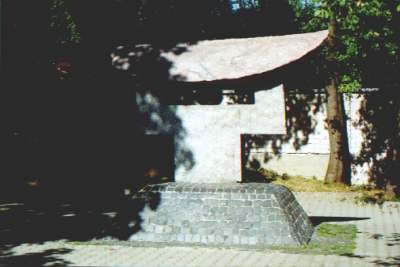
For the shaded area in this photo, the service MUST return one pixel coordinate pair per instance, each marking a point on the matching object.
(390, 261)
(149, 76)
(173, 21)
(394, 240)
(158, 120)
(45, 258)
(36, 223)
(317, 220)
(72, 147)
(379, 122)
(73, 153)
(302, 102)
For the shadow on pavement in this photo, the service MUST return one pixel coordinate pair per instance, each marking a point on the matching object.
(394, 240)
(44, 258)
(391, 261)
(316, 220)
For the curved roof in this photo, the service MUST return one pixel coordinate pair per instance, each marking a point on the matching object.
(227, 59)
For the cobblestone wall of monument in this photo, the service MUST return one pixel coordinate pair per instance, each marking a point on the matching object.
(228, 214)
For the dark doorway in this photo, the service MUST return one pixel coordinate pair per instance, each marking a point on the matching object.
(157, 158)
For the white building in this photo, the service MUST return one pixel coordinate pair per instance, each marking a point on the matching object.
(310, 159)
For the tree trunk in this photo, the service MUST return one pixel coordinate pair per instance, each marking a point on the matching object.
(339, 160)
(391, 185)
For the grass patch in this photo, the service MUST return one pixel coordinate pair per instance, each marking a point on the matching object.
(329, 239)
(302, 184)
(348, 231)
(366, 193)
(374, 196)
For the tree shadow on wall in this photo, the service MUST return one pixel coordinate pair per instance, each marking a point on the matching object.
(148, 22)
(379, 122)
(303, 104)
(148, 72)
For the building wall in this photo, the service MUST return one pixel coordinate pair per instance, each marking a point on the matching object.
(213, 134)
(311, 159)
(207, 138)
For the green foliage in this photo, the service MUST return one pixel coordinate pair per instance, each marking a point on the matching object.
(364, 29)
(269, 175)
(349, 83)
(367, 198)
(374, 197)
(63, 24)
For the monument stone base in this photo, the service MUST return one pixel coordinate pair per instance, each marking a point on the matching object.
(231, 214)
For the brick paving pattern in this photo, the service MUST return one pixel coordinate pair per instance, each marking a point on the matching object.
(378, 243)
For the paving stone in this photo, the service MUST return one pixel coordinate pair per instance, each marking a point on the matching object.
(214, 209)
(384, 251)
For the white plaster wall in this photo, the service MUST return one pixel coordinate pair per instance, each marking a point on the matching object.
(213, 134)
(311, 160)
(352, 107)
(306, 165)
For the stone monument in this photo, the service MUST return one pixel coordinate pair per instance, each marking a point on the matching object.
(205, 203)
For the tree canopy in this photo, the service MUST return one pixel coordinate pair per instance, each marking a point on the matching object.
(367, 37)
(362, 51)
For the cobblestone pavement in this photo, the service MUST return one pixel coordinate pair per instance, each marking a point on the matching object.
(378, 243)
